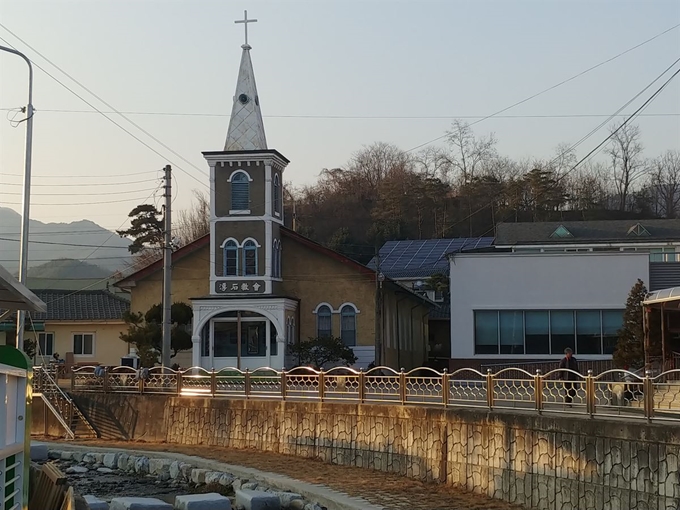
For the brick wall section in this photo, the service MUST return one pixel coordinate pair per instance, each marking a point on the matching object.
(542, 462)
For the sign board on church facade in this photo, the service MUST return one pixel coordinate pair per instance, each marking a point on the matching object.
(239, 287)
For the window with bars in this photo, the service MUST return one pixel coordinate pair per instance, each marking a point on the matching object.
(249, 258)
(240, 192)
(348, 325)
(324, 322)
(230, 258)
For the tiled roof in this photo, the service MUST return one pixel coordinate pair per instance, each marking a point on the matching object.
(443, 309)
(84, 305)
(586, 232)
(423, 257)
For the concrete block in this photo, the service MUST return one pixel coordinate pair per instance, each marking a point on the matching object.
(257, 500)
(250, 486)
(185, 470)
(209, 501)
(139, 504)
(77, 456)
(89, 458)
(39, 451)
(54, 454)
(198, 475)
(104, 470)
(95, 503)
(99, 457)
(226, 479)
(66, 455)
(110, 460)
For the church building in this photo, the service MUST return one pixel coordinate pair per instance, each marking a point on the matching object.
(256, 286)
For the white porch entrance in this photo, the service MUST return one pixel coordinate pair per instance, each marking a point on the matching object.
(238, 333)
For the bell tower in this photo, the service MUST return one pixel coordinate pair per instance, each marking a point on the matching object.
(246, 197)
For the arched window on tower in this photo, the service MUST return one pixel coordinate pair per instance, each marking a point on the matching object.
(240, 191)
(277, 195)
(324, 324)
(230, 258)
(348, 325)
(249, 258)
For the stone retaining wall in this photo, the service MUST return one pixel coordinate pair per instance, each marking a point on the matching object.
(541, 462)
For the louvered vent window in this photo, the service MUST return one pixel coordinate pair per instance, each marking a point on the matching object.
(240, 192)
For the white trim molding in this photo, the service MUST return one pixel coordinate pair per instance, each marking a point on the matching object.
(239, 211)
(339, 310)
(239, 171)
(323, 303)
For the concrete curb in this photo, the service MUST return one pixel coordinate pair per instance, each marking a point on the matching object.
(332, 499)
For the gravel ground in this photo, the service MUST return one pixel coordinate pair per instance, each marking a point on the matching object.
(390, 491)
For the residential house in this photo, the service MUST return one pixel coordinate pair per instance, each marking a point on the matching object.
(85, 325)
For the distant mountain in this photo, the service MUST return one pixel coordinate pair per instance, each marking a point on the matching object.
(54, 241)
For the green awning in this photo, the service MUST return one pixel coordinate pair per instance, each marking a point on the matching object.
(12, 326)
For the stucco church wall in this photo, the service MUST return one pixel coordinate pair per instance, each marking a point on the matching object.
(190, 279)
(317, 278)
(541, 462)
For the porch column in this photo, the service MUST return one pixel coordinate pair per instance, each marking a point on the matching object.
(196, 350)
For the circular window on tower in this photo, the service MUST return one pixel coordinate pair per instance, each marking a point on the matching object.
(243, 99)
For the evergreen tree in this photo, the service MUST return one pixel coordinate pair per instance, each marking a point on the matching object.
(630, 348)
(146, 228)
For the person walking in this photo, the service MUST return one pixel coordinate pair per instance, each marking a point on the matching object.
(569, 363)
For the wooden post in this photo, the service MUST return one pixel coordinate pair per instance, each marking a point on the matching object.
(645, 328)
(402, 386)
(238, 340)
(362, 386)
(179, 382)
(538, 390)
(213, 382)
(322, 385)
(284, 384)
(445, 388)
(489, 388)
(247, 383)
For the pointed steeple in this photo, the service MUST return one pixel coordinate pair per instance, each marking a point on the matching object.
(246, 129)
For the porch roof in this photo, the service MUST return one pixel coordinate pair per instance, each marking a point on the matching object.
(15, 296)
(669, 298)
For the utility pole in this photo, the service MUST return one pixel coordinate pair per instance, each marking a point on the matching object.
(167, 268)
(379, 309)
(26, 199)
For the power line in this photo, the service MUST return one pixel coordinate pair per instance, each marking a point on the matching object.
(356, 117)
(68, 244)
(116, 176)
(553, 87)
(81, 203)
(75, 195)
(72, 185)
(99, 111)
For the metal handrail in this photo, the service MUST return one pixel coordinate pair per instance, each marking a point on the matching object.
(614, 392)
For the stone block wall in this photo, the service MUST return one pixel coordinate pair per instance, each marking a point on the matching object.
(542, 462)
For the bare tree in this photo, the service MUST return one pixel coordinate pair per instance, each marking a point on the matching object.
(665, 181)
(625, 154)
(469, 154)
(194, 222)
(376, 161)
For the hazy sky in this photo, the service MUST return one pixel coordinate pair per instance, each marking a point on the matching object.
(413, 59)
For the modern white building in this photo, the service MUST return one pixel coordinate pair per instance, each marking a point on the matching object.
(543, 287)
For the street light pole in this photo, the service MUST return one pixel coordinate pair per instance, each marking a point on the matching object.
(26, 199)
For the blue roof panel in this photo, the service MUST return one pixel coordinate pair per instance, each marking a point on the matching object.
(423, 256)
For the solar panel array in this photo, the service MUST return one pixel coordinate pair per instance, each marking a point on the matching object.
(423, 257)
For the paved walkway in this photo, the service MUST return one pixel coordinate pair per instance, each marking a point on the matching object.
(392, 492)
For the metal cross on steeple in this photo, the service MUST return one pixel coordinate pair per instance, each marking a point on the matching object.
(245, 22)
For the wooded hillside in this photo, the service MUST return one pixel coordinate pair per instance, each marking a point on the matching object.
(467, 188)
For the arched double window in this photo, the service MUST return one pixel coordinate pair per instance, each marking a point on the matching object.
(240, 191)
(348, 325)
(230, 258)
(240, 259)
(277, 194)
(249, 258)
(324, 322)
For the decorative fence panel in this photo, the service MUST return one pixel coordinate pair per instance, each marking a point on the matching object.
(613, 393)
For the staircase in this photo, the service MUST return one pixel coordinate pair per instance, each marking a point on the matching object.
(62, 406)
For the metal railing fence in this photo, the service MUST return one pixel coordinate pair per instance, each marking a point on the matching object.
(613, 393)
